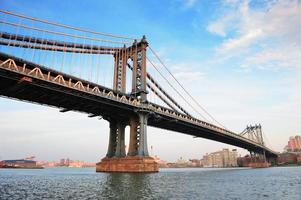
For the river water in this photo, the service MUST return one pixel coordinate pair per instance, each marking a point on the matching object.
(67, 183)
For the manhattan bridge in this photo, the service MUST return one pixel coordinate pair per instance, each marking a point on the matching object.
(115, 78)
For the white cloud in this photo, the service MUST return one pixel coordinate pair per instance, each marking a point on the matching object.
(275, 58)
(217, 28)
(188, 75)
(190, 3)
(257, 33)
(220, 27)
(240, 42)
(265, 41)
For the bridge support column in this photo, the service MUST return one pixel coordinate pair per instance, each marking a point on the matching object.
(134, 134)
(112, 140)
(142, 149)
(120, 146)
(137, 159)
(138, 136)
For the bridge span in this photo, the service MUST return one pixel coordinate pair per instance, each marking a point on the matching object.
(33, 82)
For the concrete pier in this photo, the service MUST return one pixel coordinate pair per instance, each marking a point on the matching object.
(260, 165)
(128, 164)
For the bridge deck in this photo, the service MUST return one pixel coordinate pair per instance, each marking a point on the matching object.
(30, 82)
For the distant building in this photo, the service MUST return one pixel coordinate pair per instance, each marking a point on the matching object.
(62, 162)
(287, 158)
(294, 144)
(182, 160)
(223, 158)
(67, 162)
(22, 163)
(194, 162)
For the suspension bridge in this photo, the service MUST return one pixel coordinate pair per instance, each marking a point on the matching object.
(112, 77)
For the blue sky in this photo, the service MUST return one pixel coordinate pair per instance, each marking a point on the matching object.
(239, 58)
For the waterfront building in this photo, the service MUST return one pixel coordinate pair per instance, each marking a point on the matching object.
(223, 158)
(21, 163)
(287, 158)
(65, 163)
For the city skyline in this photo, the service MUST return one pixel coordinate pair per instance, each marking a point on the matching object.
(258, 82)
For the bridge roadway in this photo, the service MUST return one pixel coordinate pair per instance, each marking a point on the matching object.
(27, 81)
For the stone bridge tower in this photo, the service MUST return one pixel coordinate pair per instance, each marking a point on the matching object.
(137, 158)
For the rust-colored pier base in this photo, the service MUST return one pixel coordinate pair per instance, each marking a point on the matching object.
(127, 164)
(260, 165)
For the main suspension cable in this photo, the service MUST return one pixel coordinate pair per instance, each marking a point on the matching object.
(66, 26)
(193, 99)
(61, 33)
(175, 88)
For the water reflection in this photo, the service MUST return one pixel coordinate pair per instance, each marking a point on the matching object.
(127, 186)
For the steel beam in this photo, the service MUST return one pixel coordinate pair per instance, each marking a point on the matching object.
(143, 149)
(120, 146)
(112, 139)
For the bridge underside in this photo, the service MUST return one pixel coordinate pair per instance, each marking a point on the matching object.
(17, 86)
(201, 132)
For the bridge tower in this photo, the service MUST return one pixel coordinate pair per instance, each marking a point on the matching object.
(137, 158)
(258, 157)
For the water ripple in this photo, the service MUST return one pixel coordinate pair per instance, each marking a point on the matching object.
(210, 184)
